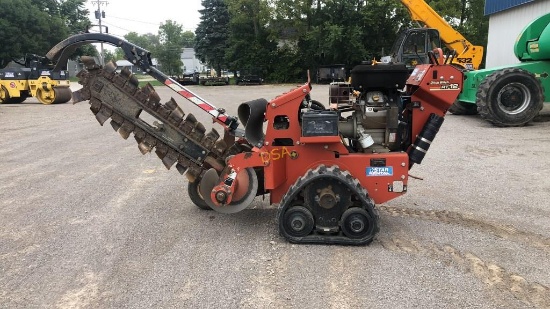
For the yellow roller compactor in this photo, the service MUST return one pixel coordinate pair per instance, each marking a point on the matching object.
(34, 78)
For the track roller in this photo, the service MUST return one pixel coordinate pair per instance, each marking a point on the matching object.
(356, 223)
(298, 221)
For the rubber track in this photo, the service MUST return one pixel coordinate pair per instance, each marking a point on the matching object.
(176, 140)
(357, 191)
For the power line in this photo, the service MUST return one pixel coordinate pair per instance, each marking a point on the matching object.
(145, 22)
(99, 14)
(111, 25)
(137, 21)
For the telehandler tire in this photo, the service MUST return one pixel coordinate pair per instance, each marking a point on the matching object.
(194, 194)
(463, 108)
(316, 105)
(510, 97)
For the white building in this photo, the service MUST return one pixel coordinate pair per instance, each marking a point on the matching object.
(507, 18)
(190, 62)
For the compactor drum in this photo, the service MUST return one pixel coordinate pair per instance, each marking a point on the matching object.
(34, 78)
(324, 167)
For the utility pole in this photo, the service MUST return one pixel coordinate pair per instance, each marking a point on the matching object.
(99, 15)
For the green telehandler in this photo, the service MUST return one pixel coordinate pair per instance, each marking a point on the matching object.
(512, 95)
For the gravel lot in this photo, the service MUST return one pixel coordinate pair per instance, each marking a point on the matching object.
(86, 221)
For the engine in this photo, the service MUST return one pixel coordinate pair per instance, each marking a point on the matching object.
(369, 107)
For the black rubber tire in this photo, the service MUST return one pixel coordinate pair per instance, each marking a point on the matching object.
(17, 100)
(316, 105)
(497, 97)
(196, 198)
(6, 94)
(463, 108)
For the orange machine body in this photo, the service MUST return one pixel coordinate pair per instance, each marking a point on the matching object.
(287, 155)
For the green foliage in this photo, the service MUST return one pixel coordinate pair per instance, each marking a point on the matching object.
(33, 26)
(284, 38)
(169, 50)
(338, 31)
(119, 54)
(211, 40)
(75, 15)
(108, 56)
(476, 24)
(88, 50)
(284, 64)
(249, 44)
(28, 27)
(188, 39)
(148, 41)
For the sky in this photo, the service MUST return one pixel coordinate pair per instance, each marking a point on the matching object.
(123, 16)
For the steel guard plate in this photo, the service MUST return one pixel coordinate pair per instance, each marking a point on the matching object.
(379, 180)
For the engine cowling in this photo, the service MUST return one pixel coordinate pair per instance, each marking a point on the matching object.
(370, 106)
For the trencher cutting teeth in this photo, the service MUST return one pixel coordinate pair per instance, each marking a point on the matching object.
(176, 138)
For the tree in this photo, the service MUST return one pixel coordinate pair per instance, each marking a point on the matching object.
(169, 51)
(249, 45)
(188, 39)
(86, 50)
(212, 33)
(475, 27)
(28, 27)
(34, 26)
(75, 15)
(336, 31)
(147, 41)
(119, 54)
(287, 37)
(109, 56)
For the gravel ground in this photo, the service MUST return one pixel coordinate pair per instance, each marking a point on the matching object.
(86, 221)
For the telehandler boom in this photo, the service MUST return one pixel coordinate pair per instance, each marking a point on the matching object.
(412, 45)
(468, 56)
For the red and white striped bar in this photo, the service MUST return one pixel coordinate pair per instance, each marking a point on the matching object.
(198, 101)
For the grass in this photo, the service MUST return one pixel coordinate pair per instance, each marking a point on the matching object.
(144, 79)
(141, 82)
(152, 82)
